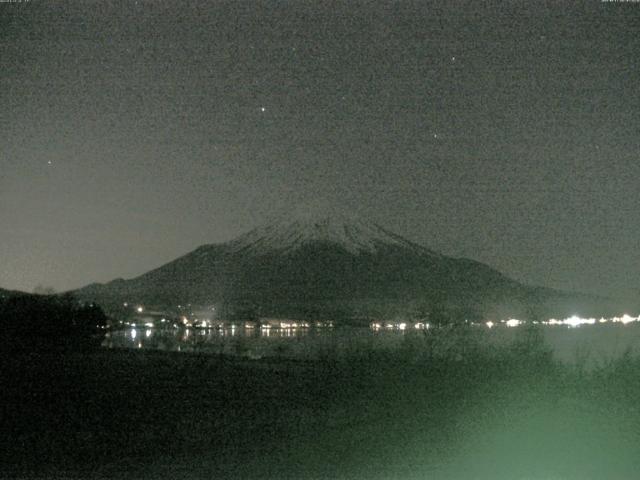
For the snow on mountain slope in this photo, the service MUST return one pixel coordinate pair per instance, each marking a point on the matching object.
(351, 233)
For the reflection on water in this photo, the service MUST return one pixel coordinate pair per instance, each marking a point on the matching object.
(250, 342)
(597, 341)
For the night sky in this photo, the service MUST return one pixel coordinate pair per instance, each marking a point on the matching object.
(133, 132)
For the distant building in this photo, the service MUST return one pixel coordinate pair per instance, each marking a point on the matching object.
(153, 319)
(268, 322)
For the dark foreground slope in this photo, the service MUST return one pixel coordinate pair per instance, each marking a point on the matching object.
(334, 268)
(499, 414)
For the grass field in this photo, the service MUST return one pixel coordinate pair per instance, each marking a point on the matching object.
(444, 407)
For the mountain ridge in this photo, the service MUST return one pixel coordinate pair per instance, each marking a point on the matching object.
(352, 233)
(344, 266)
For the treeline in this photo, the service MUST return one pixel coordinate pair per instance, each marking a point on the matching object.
(37, 322)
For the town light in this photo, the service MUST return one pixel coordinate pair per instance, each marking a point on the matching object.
(512, 322)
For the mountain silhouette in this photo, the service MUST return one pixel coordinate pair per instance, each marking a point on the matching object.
(337, 266)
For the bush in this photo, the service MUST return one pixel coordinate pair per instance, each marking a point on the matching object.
(39, 322)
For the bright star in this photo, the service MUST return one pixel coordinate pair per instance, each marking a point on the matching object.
(263, 109)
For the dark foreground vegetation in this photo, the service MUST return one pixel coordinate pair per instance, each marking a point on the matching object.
(31, 323)
(442, 407)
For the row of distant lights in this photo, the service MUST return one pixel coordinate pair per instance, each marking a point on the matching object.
(232, 326)
(573, 321)
(209, 324)
(399, 326)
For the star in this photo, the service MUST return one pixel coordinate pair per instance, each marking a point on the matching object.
(263, 109)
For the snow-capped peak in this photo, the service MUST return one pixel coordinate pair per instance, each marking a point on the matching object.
(348, 231)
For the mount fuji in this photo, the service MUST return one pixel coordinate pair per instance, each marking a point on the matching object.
(335, 266)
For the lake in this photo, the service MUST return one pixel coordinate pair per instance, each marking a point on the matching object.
(591, 344)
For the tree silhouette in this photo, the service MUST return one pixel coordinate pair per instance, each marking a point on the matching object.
(41, 322)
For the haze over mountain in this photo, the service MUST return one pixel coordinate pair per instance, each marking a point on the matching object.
(318, 266)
